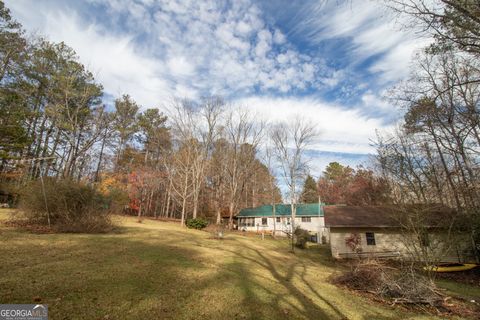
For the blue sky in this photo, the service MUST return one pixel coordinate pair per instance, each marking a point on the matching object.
(329, 61)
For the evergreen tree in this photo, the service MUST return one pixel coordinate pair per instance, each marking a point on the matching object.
(153, 133)
(13, 49)
(125, 123)
(310, 191)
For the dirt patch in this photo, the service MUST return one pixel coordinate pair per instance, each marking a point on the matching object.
(25, 225)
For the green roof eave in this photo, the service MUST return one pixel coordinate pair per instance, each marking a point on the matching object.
(303, 210)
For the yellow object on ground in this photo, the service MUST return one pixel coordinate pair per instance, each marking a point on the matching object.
(451, 267)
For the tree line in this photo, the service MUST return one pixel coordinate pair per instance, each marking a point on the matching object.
(199, 157)
(343, 185)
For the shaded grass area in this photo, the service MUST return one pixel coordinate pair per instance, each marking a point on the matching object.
(461, 290)
(157, 270)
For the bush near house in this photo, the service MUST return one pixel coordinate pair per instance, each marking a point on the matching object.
(301, 237)
(69, 205)
(197, 223)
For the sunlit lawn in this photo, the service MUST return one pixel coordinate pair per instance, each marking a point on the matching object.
(157, 270)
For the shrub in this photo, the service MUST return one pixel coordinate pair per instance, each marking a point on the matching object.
(324, 240)
(114, 189)
(8, 194)
(117, 200)
(72, 206)
(354, 242)
(301, 237)
(197, 223)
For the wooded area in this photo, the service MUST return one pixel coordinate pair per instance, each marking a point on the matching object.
(201, 156)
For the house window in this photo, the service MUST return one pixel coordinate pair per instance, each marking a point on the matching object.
(278, 219)
(264, 221)
(306, 219)
(247, 222)
(370, 238)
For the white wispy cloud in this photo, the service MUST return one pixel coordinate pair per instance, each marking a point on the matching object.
(186, 47)
(370, 29)
(158, 49)
(111, 58)
(340, 130)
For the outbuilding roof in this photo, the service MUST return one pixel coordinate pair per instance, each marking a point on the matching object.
(387, 216)
(303, 210)
(356, 216)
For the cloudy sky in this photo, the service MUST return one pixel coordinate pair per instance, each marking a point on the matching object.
(329, 61)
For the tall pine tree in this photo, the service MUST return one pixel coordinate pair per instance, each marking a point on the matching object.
(310, 191)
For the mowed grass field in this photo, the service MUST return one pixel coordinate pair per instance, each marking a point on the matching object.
(158, 270)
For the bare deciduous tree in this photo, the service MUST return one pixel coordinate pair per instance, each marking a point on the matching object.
(291, 141)
(433, 157)
(243, 134)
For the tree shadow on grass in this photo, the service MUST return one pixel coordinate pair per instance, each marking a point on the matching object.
(292, 279)
(149, 275)
(92, 277)
(318, 255)
(305, 308)
(258, 297)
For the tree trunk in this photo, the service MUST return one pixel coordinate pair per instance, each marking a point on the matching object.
(230, 218)
(184, 204)
(274, 219)
(140, 212)
(195, 204)
(219, 216)
(293, 208)
(97, 172)
(167, 209)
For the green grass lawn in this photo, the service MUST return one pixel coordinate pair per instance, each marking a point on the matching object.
(158, 270)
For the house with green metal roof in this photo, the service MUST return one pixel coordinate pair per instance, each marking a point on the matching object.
(269, 218)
